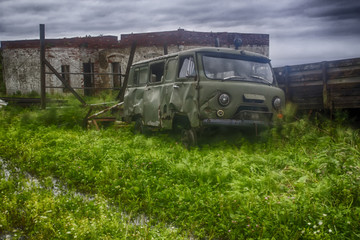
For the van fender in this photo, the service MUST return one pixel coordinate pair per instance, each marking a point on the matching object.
(184, 101)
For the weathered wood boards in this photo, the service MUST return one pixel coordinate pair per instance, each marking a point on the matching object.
(323, 85)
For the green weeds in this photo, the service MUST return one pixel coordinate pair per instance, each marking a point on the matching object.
(300, 180)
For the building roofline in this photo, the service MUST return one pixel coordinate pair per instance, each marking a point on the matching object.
(76, 42)
(177, 37)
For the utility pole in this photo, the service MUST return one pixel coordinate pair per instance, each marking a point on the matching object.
(42, 66)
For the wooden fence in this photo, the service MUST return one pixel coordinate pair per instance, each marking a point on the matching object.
(323, 85)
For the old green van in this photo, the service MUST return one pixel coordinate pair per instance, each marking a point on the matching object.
(202, 87)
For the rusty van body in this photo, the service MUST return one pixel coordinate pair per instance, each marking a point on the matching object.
(202, 87)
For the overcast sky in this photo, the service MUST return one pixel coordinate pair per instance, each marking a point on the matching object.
(301, 31)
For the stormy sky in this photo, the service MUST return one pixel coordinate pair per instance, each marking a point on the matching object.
(301, 31)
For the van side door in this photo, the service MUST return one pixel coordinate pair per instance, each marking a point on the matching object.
(153, 94)
(134, 93)
(166, 109)
(184, 99)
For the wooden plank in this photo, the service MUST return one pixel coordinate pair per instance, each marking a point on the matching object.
(326, 95)
(309, 106)
(307, 90)
(345, 63)
(121, 94)
(305, 84)
(346, 105)
(344, 81)
(333, 84)
(346, 73)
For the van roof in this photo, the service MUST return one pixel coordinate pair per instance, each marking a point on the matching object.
(209, 50)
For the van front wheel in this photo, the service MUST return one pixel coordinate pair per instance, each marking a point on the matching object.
(189, 137)
(139, 126)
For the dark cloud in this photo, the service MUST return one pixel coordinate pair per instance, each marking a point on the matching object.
(318, 26)
(345, 9)
(335, 17)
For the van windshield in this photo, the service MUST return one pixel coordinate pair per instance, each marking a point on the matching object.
(229, 67)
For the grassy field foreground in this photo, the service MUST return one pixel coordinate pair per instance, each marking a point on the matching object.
(300, 180)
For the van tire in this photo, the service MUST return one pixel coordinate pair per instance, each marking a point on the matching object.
(139, 127)
(180, 123)
(189, 138)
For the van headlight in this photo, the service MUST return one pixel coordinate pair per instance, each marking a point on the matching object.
(277, 103)
(224, 99)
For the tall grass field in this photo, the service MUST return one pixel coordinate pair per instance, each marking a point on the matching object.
(297, 180)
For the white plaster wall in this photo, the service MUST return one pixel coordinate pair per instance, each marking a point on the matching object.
(21, 70)
(22, 66)
(63, 56)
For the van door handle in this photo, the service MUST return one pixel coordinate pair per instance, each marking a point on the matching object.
(176, 86)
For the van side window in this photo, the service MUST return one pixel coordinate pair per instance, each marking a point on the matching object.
(157, 72)
(140, 76)
(143, 76)
(187, 67)
(135, 78)
(170, 72)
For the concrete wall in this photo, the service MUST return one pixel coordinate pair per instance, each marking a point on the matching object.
(21, 59)
(21, 70)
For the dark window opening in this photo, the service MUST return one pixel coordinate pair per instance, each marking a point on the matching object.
(65, 73)
(116, 71)
(88, 78)
(157, 72)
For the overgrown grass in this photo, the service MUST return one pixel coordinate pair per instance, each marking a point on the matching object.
(299, 180)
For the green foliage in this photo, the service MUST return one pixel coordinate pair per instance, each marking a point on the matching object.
(298, 180)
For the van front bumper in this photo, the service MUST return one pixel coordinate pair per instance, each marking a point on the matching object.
(235, 122)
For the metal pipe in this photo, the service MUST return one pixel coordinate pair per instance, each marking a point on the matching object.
(96, 88)
(73, 73)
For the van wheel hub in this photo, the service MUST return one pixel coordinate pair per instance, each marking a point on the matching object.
(139, 126)
(188, 138)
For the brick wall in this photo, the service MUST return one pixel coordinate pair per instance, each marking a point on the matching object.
(182, 37)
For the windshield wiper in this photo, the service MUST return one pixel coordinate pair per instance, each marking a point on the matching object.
(261, 78)
(234, 78)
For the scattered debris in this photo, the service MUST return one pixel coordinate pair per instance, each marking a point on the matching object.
(3, 103)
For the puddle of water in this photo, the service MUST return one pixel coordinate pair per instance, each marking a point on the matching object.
(57, 189)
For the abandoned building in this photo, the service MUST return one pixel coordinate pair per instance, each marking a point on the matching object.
(97, 63)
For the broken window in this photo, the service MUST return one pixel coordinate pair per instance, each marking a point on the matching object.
(157, 72)
(65, 73)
